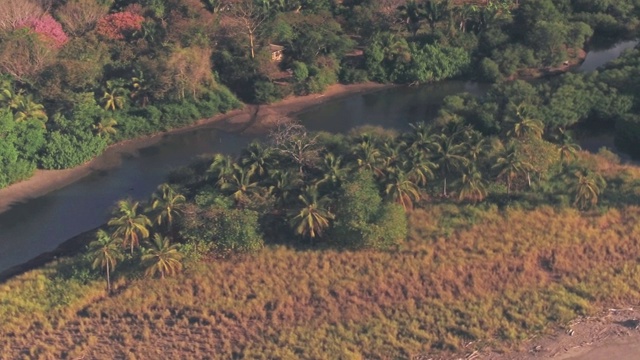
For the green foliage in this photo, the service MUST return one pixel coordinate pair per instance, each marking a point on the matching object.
(362, 219)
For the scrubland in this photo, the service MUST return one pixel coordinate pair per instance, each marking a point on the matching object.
(467, 277)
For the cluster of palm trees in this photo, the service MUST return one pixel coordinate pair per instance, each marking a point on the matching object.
(406, 168)
(132, 226)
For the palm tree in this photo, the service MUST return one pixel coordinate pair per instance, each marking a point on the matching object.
(420, 169)
(114, 96)
(162, 258)
(412, 14)
(449, 157)
(313, 216)
(240, 185)
(130, 225)
(256, 157)
(368, 156)
(333, 170)
(105, 253)
(221, 169)
(106, 127)
(435, 12)
(522, 125)
(509, 165)
(168, 203)
(422, 138)
(587, 186)
(141, 89)
(472, 186)
(401, 190)
(27, 109)
(567, 148)
(285, 184)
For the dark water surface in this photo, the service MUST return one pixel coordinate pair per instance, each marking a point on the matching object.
(41, 224)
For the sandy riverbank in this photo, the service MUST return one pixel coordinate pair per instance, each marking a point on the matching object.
(251, 119)
(612, 334)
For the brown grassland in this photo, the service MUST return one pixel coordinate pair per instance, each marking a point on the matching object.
(468, 277)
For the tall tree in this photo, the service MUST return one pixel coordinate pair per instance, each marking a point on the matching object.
(313, 215)
(510, 164)
(106, 253)
(472, 186)
(401, 190)
(167, 203)
(162, 258)
(586, 187)
(449, 156)
(129, 223)
(246, 17)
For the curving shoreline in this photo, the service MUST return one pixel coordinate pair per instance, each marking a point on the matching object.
(259, 118)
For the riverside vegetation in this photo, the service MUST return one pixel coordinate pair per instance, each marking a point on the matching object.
(372, 244)
(78, 75)
(368, 245)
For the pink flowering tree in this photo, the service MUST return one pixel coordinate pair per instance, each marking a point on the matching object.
(47, 28)
(119, 25)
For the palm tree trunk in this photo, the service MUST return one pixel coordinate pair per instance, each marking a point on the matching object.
(444, 187)
(108, 279)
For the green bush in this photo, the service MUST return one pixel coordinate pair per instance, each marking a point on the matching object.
(64, 151)
(350, 75)
(363, 220)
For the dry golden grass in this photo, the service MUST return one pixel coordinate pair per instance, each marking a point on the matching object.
(495, 276)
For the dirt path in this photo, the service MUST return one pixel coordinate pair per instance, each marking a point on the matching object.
(250, 120)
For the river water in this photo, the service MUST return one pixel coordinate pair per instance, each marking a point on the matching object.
(41, 224)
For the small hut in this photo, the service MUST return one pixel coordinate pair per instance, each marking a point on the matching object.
(277, 52)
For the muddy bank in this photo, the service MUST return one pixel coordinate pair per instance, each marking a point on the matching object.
(250, 120)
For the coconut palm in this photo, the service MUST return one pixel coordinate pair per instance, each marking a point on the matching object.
(412, 15)
(401, 190)
(333, 170)
(510, 164)
(420, 168)
(114, 96)
(221, 169)
(168, 204)
(368, 156)
(586, 187)
(421, 138)
(106, 127)
(240, 185)
(284, 185)
(256, 157)
(523, 125)
(162, 258)
(472, 186)
(313, 216)
(567, 147)
(130, 224)
(105, 252)
(449, 156)
(435, 11)
(26, 109)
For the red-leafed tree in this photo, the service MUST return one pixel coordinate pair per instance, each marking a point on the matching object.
(48, 28)
(119, 25)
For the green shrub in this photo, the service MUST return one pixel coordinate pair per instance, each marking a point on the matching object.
(64, 151)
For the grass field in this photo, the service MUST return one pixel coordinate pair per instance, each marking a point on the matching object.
(475, 275)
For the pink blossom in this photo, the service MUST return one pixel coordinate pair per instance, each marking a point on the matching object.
(48, 28)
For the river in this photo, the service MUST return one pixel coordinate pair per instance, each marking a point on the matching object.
(39, 225)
